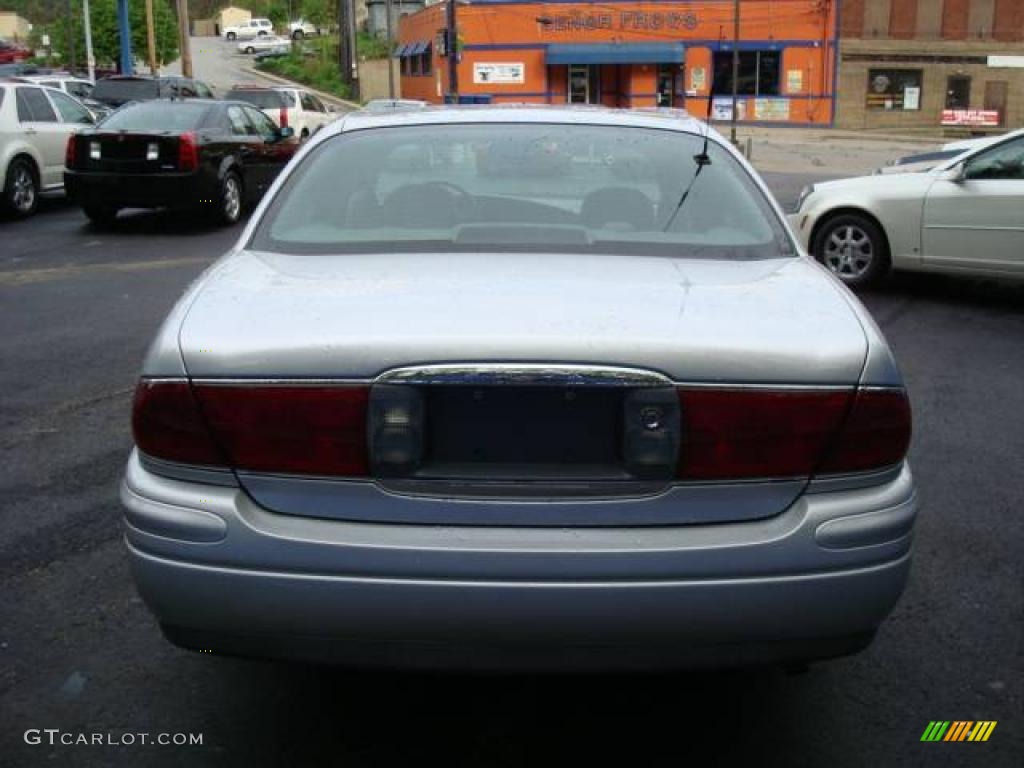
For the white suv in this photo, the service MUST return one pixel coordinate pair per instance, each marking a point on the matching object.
(285, 105)
(250, 28)
(35, 124)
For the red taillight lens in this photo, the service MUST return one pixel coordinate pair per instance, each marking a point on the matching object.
(188, 152)
(290, 429)
(282, 118)
(875, 435)
(70, 151)
(746, 434)
(167, 424)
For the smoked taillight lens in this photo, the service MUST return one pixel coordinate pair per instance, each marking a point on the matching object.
(70, 151)
(307, 430)
(188, 152)
(746, 434)
(875, 435)
(168, 425)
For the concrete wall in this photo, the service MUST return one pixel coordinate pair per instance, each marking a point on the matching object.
(373, 79)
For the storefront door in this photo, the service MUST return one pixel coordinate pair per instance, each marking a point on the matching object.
(666, 85)
(584, 87)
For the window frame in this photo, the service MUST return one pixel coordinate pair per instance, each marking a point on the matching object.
(897, 106)
(726, 87)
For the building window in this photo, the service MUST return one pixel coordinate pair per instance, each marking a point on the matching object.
(759, 73)
(894, 89)
(414, 65)
(958, 92)
(425, 61)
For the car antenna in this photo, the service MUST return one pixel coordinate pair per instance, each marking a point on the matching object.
(701, 159)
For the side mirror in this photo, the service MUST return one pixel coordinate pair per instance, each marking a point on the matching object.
(285, 133)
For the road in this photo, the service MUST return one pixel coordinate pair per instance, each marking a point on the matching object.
(217, 63)
(79, 652)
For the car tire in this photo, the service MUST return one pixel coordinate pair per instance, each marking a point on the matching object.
(230, 197)
(100, 215)
(231, 36)
(853, 248)
(261, 33)
(298, 34)
(304, 135)
(21, 188)
(250, 50)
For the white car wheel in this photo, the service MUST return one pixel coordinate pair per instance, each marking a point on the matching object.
(852, 247)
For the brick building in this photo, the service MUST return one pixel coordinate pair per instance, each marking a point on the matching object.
(953, 64)
(631, 53)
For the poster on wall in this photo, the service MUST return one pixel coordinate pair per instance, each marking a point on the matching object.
(721, 109)
(794, 80)
(697, 78)
(974, 118)
(911, 97)
(505, 72)
(771, 109)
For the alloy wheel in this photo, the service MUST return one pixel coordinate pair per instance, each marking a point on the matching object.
(23, 192)
(849, 251)
(232, 199)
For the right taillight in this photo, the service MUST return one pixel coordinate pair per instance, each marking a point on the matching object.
(70, 151)
(282, 118)
(876, 434)
(750, 434)
(188, 152)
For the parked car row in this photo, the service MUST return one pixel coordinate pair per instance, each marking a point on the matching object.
(147, 142)
(260, 27)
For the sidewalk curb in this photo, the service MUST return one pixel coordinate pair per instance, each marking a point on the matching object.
(285, 81)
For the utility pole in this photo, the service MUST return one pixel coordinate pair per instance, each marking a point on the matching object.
(150, 38)
(124, 31)
(391, 46)
(735, 67)
(69, 62)
(185, 44)
(347, 46)
(90, 60)
(453, 53)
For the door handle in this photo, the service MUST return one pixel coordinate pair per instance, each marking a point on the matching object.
(30, 131)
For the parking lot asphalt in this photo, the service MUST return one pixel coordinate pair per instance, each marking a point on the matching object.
(79, 652)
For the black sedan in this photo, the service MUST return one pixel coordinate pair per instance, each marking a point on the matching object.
(193, 154)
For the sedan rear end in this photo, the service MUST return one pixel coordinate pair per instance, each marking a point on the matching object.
(434, 410)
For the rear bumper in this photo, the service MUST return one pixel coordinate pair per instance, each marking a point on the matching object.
(811, 583)
(127, 190)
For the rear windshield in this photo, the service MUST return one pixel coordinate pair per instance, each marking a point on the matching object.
(263, 99)
(529, 187)
(157, 116)
(126, 90)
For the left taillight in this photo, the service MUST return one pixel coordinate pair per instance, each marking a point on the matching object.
(188, 151)
(167, 424)
(71, 151)
(306, 430)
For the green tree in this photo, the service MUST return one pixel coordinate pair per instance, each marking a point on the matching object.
(106, 43)
(319, 13)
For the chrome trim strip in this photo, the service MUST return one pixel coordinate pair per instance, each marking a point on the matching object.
(525, 374)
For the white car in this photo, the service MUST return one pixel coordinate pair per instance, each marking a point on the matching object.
(287, 106)
(35, 123)
(265, 43)
(300, 28)
(965, 215)
(248, 29)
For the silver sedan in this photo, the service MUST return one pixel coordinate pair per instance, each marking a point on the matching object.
(536, 388)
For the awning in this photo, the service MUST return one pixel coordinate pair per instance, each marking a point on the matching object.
(616, 53)
(400, 51)
(418, 48)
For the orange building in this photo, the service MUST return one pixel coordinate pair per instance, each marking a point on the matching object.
(630, 53)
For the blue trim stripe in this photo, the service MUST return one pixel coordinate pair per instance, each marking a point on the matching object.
(715, 45)
(615, 53)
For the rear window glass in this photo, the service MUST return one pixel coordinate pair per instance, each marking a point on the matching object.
(263, 99)
(126, 90)
(528, 187)
(157, 116)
